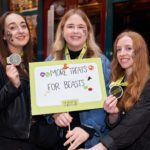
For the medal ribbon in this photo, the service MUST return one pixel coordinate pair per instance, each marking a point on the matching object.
(84, 49)
(119, 82)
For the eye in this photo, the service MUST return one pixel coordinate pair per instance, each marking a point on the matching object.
(24, 26)
(13, 27)
(70, 26)
(129, 48)
(118, 49)
(81, 27)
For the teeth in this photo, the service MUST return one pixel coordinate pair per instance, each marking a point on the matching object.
(75, 37)
(21, 37)
(124, 60)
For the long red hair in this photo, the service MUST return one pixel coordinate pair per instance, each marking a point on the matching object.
(140, 71)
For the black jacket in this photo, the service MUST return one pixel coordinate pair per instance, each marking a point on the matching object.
(133, 130)
(15, 111)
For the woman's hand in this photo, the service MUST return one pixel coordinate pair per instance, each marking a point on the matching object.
(110, 105)
(62, 119)
(13, 75)
(76, 137)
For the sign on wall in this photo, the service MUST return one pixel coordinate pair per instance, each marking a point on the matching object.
(66, 85)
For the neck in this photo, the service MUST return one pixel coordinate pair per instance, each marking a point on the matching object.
(74, 49)
(128, 72)
(18, 50)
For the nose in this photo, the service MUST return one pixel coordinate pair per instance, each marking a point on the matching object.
(75, 29)
(122, 51)
(20, 29)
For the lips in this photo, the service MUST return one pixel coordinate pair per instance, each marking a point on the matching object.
(124, 60)
(75, 37)
(22, 37)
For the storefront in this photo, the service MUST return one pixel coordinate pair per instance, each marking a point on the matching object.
(108, 17)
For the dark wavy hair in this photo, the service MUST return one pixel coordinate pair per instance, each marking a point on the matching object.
(4, 50)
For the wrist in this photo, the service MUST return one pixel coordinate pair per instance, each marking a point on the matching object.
(113, 117)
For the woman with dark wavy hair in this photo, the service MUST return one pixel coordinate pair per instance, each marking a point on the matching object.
(16, 122)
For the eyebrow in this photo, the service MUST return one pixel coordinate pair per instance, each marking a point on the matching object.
(12, 23)
(76, 25)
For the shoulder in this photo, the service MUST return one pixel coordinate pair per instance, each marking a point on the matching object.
(105, 61)
(104, 58)
(49, 58)
(147, 87)
(145, 95)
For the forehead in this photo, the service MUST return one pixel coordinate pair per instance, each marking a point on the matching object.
(14, 18)
(75, 19)
(125, 40)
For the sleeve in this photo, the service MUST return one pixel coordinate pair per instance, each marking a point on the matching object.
(110, 125)
(95, 119)
(7, 91)
(106, 71)
(49, 118)
(89, 130)
(136, 119)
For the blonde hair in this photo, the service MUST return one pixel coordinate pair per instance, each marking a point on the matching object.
(59, 44)
(140, 69)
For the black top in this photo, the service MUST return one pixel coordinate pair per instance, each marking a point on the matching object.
(133, 129)
(15, 110)
(74, 54)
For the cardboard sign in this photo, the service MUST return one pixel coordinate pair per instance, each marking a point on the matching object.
(66, 85)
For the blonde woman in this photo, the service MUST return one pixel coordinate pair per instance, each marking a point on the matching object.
(75, 40)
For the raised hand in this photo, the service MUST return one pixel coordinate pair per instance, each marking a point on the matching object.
(62, 119)
(110, 105)
(13, 75)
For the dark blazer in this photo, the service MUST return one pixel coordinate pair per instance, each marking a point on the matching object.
(15, 111)
(133, 130)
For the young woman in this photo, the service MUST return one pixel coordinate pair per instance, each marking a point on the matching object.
(16, 122)
(129, 116)
(75, 40)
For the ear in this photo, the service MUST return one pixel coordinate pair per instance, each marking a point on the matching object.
(4, 38)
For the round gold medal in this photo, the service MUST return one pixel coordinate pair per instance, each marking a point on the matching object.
(116, 91)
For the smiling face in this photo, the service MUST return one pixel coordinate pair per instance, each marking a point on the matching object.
(75, 32)
(125, 53)
(16, 32)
